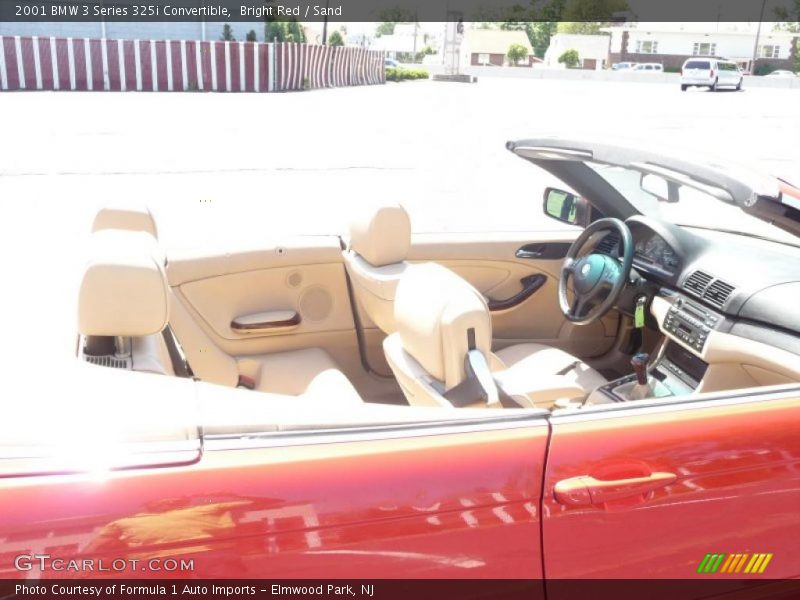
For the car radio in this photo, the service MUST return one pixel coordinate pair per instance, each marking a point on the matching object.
(690, 323)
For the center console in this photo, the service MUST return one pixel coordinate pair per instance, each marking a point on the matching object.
(690, 322)
(674, 372)
(677, 368)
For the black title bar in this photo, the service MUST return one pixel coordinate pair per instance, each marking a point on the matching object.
(396, 10)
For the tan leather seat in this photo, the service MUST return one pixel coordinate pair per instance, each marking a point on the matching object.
(123, 303)
(444, 336)
(375, 260)
(112, 301)
(127, 216)
(539, 358)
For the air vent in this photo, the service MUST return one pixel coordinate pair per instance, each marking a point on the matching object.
(609, 244)
(697, 282)
(718, 293)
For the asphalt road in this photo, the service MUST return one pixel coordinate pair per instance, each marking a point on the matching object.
(218, 167)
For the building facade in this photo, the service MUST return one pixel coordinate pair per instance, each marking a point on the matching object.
(592, 50)
(671, 44)
(489, 47)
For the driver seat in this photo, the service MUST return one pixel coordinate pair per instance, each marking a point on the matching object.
(441, 352)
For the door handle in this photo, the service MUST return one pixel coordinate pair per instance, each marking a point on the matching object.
(525, 253)
(547, 250)
(586, 490)
(530, 285)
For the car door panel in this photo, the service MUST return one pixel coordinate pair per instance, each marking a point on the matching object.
(494, 264)
(304, 275)
(436, 504)
(317, 293)
(736, 489)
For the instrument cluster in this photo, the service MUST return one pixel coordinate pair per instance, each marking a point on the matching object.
(653, 251)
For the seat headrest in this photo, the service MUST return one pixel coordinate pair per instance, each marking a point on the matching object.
(124, 290)
(130, 217)
(434, 311)
(381, 235)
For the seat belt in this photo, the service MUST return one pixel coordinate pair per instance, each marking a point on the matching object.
(479, 385)
(179, 363)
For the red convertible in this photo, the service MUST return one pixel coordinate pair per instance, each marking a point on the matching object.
(615, 398)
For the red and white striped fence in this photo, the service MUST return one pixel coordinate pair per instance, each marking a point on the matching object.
(50, 63)
(302, 66)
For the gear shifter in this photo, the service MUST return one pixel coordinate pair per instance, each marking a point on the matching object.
(639, 363)
(642, 388)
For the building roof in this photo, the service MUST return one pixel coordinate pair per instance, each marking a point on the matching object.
(722, 28)
(495, 41)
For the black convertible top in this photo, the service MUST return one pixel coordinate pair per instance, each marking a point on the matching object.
(755, 193)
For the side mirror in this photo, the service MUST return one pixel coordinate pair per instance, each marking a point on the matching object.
(662, 189)
(566, 207)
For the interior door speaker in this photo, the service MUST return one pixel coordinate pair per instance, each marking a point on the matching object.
(294, 279)
(316, 303)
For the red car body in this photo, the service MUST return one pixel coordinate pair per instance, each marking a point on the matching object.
(448, 502)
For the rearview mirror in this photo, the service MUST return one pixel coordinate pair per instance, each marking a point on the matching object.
(663, 189)
(566, 207)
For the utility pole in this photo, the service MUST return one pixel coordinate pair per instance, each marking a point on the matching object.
(416, 27)
(758, 35)
(325, 25)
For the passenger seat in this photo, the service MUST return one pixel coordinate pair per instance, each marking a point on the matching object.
(375, 259)
(115, 289)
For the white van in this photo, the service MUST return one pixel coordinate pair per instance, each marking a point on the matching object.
(648, 68)
(710, 72)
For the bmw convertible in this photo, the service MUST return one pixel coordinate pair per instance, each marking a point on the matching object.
(617, 396)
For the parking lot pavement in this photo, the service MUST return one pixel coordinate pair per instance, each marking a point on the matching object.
(220, 166)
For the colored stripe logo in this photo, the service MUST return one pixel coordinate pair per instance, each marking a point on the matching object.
(728, 564)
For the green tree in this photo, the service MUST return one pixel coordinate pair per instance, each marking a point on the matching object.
(390, 17)
(227, 34)
(284, 31)
(274, 31)
(790, 16)
(539, 21)
(295, 32)
(570, 58)
(587, 11)
(516, 53)
(251, 36)
(335, 39)
(582, 27)
(540, 34)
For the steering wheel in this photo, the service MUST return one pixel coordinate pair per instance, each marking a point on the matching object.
(597, 279)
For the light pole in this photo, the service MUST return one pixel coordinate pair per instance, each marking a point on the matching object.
(325, 25)
(758, 35)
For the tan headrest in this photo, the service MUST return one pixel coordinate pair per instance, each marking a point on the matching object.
(381, 235)
(434, 310)
(124, 289)
(130, 217)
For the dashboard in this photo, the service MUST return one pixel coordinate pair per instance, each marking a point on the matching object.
(651, 250)
(751, 285)
(726, 304)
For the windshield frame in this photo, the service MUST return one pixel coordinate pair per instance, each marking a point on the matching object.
(735, 222)
(756, 194)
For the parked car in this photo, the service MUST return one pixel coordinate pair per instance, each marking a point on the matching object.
(219, 409)
(712, 73)
(623, 66)
(782, 74)
(390, 62)
(648, 68)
